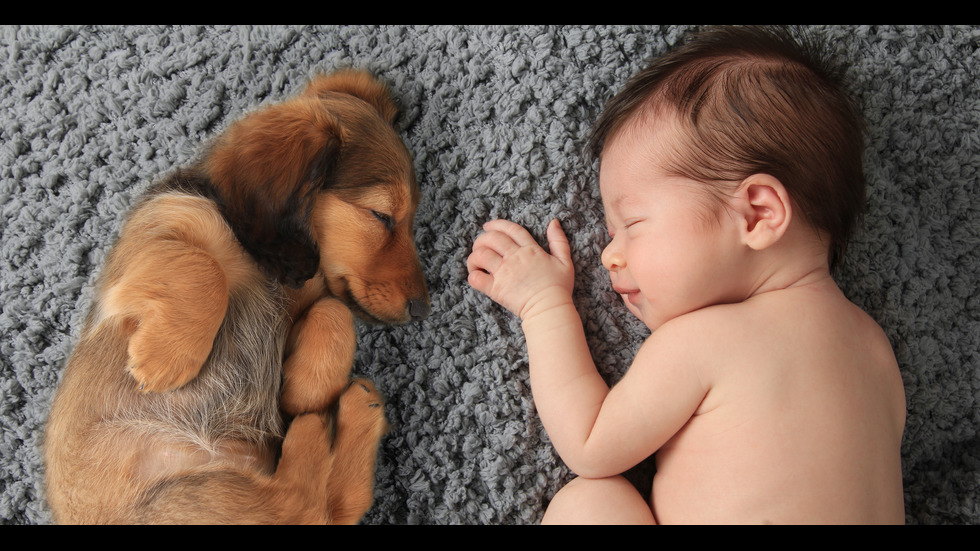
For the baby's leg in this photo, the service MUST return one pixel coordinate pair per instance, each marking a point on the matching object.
(611, 500)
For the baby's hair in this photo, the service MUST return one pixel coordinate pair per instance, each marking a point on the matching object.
(752, 100)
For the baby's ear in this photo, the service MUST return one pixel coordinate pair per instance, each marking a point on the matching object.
(764, 210)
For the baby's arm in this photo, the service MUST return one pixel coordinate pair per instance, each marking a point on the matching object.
(597, 432)
(508, 266)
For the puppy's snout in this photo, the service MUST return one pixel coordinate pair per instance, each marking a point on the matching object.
(418, 309)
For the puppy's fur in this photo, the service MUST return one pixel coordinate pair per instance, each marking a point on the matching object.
(223, 316)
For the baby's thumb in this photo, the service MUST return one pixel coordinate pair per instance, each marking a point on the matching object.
(558, 243)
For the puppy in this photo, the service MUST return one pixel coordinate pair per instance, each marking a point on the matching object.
(211, 383)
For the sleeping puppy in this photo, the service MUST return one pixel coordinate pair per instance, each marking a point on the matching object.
(223, 315)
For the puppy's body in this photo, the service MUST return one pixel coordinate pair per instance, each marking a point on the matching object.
(225, 304)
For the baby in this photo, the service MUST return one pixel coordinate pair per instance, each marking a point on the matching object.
(731, 178)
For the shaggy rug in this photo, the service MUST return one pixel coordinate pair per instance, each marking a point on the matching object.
(495, 117)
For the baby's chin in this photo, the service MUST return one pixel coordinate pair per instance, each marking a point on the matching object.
(646, 314)
(635, 310)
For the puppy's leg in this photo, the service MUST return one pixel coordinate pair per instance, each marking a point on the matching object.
(325, 475)
(300, 482)
(173, 297)
(294, 494)
(319, 358)
(360, 424)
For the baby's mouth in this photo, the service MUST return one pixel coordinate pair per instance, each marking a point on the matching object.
(628, 295)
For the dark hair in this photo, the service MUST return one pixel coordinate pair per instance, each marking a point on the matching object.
(753, 100)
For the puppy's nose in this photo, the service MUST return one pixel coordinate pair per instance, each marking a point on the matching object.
(418, 309)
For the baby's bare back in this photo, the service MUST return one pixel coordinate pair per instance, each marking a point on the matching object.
(802, 423)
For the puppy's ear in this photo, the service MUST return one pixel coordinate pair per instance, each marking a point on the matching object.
(266, 170)
(360, 85)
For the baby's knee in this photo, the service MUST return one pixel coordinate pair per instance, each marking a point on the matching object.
(612, 500)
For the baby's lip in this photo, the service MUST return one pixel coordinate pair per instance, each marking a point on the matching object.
(624, 291)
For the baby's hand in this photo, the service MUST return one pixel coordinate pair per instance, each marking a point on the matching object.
(510, 267)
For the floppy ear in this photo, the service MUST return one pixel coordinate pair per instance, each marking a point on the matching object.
(266, 170)
(358, 84)
(764, 210)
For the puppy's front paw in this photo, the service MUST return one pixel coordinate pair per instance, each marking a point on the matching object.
(162, 361)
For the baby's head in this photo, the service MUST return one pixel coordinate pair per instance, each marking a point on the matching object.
(744, 101)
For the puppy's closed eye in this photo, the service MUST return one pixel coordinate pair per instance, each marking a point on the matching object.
(385, 219)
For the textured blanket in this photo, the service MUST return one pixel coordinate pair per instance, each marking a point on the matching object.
(495, 117)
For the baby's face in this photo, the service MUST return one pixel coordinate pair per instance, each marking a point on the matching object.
(664, 259)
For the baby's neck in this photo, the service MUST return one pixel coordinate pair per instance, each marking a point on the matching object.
(818, 276)
(799, 261)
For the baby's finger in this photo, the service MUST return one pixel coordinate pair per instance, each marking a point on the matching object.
(483, 259)
(515, 231)
(496, 240)
(481, 281)
(558, 242)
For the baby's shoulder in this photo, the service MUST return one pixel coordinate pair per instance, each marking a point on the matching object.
(776, 323)
(714, 321)
(703, 333)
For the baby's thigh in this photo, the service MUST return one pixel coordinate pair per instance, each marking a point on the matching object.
(611, 500)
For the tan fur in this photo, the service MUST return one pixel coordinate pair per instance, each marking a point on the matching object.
(211, 383)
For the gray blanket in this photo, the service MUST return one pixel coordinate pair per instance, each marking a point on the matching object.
(495, 117)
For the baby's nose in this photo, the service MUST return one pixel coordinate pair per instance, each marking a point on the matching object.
(612, 258)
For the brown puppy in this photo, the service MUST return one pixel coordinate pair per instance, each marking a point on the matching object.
(223, 314)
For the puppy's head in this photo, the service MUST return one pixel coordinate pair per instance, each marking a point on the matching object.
(323, 183)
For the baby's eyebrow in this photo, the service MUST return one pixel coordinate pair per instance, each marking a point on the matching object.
(617, 205)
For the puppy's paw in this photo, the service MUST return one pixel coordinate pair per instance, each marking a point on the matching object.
(360, 424)
(361, 410)
(161, 361)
